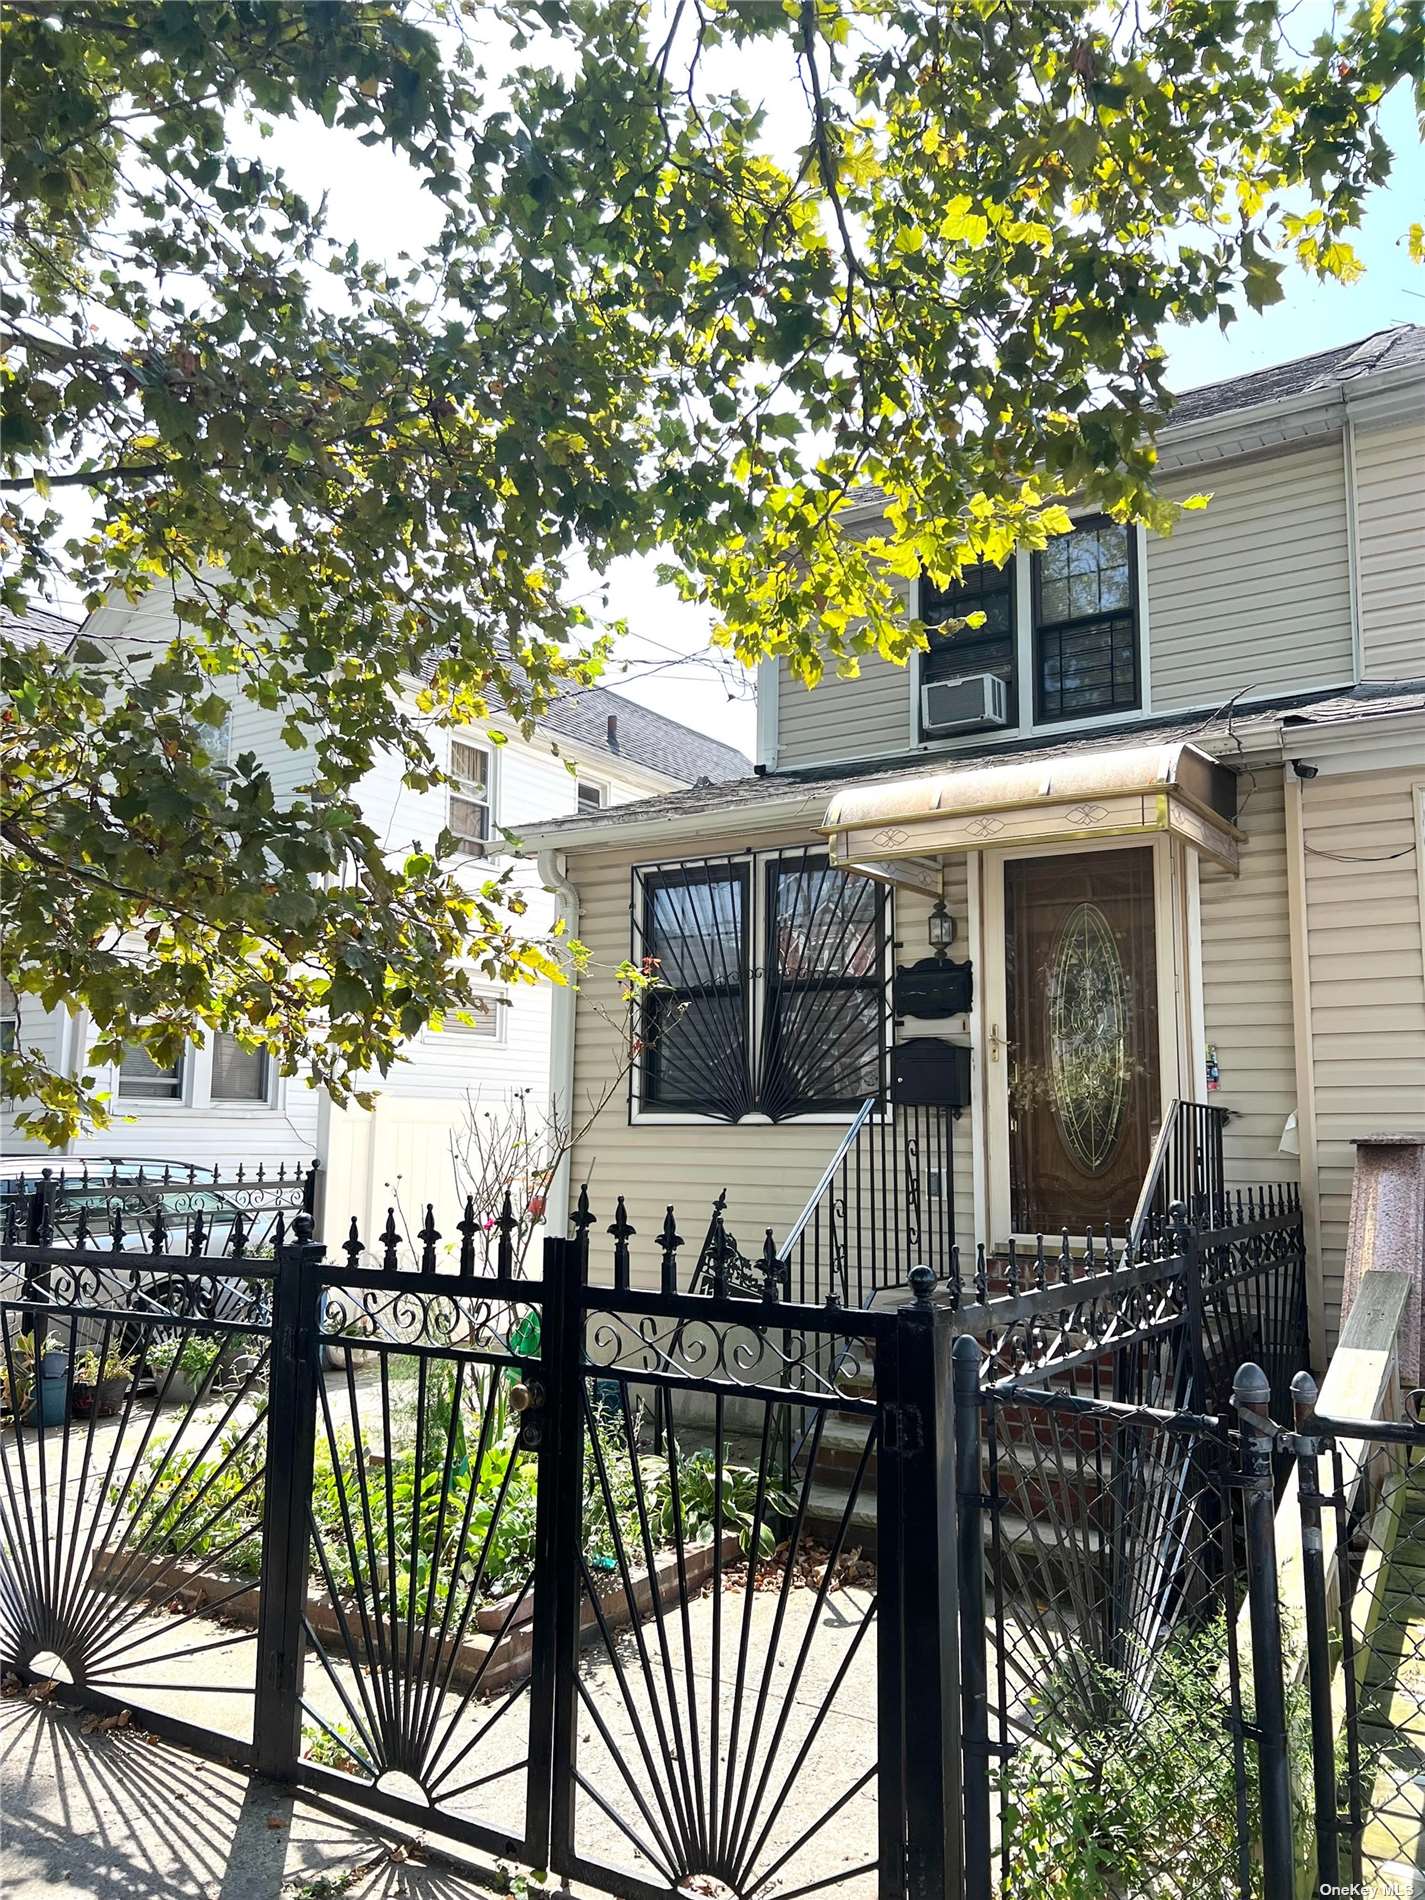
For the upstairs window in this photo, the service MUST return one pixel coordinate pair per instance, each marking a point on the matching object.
(989, 648)
(470, 817)
(238, 1074)
(1086, 623)
(592, 797)
(806, 1031)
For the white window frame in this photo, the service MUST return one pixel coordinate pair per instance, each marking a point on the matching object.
(595, 785)
(226, 1104)
(499, 1001)
(757, 902)
(453, 791)
(1024, 665)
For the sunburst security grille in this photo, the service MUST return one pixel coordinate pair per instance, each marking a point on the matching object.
(804, 1029)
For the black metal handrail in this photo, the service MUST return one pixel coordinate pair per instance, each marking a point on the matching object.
(1186, 1167)
(883, 1204)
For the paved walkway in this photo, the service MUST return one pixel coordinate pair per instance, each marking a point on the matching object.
(88, 1812)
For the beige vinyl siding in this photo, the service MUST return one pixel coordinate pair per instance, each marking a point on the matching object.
(843, 719)
(1390, 541)
(1246, 986)
(767, 1170)
(1253, 594)
(1366, 972)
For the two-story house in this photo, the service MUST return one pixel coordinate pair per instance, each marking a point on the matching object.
(222, 1105)
(1155, 832)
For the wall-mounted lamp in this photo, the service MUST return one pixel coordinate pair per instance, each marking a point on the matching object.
(940, 928)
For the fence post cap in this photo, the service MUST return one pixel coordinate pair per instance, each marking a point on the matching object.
(1251, 1387)
(1304, 1391)
(922, 1284)
(302, 1229)
(966, 1351)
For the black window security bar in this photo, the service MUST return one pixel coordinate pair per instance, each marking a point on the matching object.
(806, 1029)
(691, 933)
(989, 648)
(1086, 623)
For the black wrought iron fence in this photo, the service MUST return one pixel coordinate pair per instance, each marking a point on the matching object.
(528, 1569)
(1361, 1498)
(159, 1207)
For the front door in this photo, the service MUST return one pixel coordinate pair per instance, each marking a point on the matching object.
(1081, 995)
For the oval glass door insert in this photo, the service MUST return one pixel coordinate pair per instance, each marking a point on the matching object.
(1088, 1037)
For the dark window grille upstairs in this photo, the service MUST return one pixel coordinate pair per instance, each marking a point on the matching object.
(1086, 623)
(986, 649)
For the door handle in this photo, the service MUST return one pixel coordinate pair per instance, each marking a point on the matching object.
(997, 1042)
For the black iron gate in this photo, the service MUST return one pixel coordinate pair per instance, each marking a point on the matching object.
(548, 1567)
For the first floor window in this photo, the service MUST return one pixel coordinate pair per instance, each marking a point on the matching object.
(824, 1013)
(801, 1029)
(1086, 623)
(142, 1080)
(695, 1022)
(470, 817)
(238, 1075)
(988, 648)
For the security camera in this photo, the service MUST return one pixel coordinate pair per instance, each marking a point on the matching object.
(1304, 768)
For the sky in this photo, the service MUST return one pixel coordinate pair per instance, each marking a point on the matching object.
(666, 661)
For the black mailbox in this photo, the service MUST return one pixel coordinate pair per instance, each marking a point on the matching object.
(929, 1073)
(933, 987)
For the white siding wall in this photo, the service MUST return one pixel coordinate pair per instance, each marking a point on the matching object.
(425, 1096)
(768, 1171)
(1246, 986)
(843, 719)
(1367, 980)
(1390, 539)
(1252, 595)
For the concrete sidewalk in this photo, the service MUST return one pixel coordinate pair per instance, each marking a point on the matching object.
(88, 1811)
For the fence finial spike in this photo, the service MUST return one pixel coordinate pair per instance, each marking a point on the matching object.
(352, 1246)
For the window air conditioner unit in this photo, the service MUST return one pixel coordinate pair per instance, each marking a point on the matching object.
(964, 705)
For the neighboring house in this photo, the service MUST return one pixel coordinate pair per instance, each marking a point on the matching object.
(594, 749)
(1172, 798)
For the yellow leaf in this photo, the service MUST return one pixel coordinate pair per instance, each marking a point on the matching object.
(1417, 243)
(1197, 501)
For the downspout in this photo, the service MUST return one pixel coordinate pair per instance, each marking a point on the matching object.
(561, 1027)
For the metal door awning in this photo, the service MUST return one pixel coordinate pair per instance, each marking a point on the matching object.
(886, 827)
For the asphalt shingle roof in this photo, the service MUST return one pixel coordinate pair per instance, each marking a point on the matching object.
(819, 785)
(641, 736)
(37, 627)
(1400, 346)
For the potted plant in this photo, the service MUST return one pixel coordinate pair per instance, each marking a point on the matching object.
(100, 1386)
(182, 1367)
